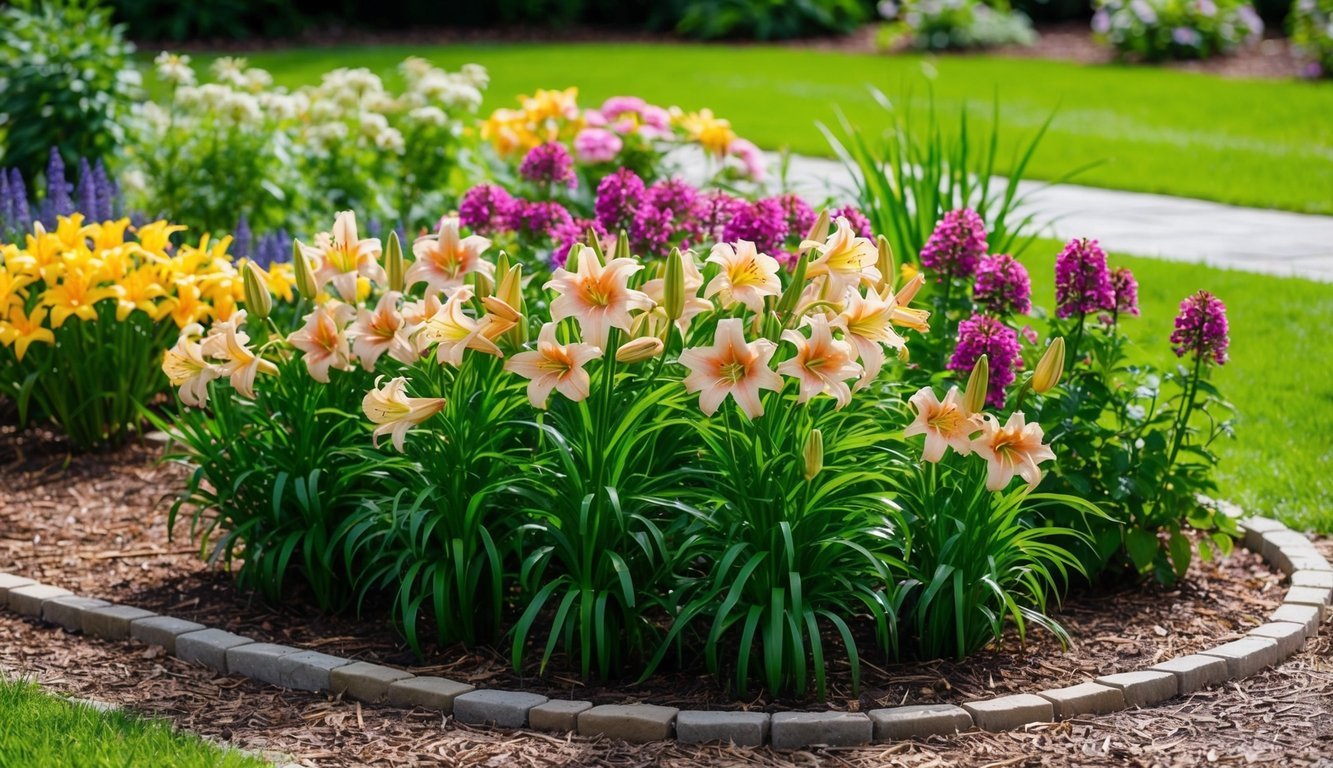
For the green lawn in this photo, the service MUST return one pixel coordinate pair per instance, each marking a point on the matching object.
(39, 730)
(1260, 143)
(1280, 376)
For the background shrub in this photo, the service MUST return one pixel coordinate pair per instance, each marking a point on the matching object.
(66, 81)
(1312, 34)
(938, 25)
(1153, 30)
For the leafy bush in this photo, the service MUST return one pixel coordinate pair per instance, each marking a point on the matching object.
(938, 25)
(1311, 24)
(66, 81)
(1153, 30)
(767, 19)
(167, 20)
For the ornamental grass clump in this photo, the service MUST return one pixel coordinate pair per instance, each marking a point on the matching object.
(630, 461)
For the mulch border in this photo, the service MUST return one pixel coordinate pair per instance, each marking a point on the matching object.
(1289, 627)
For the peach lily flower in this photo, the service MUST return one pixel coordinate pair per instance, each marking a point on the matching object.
(186, 368)
(444, 259)
(731, 367)
(392, 411)
(867, 322)
(1015, 448)
(453, 332)
(655, 289)
(945, 424)
(323, 339)
(845, 259)
(554, 366)
(380, 331)
(227, 342)
(747, 276)
(343, 256)
(822, 363)
(597, 296)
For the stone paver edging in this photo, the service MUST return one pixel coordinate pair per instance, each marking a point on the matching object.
(1294, 622)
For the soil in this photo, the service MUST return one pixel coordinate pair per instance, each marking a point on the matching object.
(1272, 57)
(96, 525)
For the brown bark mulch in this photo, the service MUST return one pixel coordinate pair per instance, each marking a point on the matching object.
(96, 525)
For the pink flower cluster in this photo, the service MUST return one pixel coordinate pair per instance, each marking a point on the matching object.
(1201, 328)
(985, 335)
(956, 246)
(1126, 290)
(1082, 280)
(1003, 286)
(548, 164)
(601, 140)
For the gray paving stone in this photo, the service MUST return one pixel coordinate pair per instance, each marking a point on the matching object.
(162, 630)
(917, 720)
(431, 692)
(1084, 699)
(9, 581)
(1290, 638)
(208, 647)
(794, 730)
(1308, 616)
(505, 709)
(1309, 596)
(1246, 656)
(557, 715)
(1287, 541)
(28, 599)
(629, 722)
(1255, 528)
(1195, 671)
(1312, 579)
(1143, 688)
(745, 729)
(68, 611)
(309, 670)
(364, 681)
(1005, 713)
(258, 661)
(112, 622)
(1304, 562)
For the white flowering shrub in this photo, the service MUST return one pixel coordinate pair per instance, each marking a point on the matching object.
(938, 25)
(1311, 24)
(239, 146)
(1154, 30)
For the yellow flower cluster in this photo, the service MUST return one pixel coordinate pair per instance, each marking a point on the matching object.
(546, 116)
(62, 276)
(712, 133)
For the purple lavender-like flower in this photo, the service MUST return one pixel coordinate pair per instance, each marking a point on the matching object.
(956, 246)
(273, 248)
(716, 210)
(675, 196)
(652, 230)
(618, 198)
(241, 239)
(800, 216)
(1126, 290)
(107, 194)
(762, 222)
(86, 191)
(985, 335)
(487, 209)
(1003, 286)
(540, 218)
(861, 225)
(1082, 280)
(566, 235)
(548, 164)
(20, 217)
(1201, 328)
(6, 203)
(57, 202)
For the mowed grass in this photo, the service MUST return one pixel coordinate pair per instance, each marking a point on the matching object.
(1280, 376)
(1265, 143)
(39, 730)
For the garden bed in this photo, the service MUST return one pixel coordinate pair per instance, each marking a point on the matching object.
(97, 525)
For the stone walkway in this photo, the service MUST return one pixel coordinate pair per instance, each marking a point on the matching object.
(1158, 226)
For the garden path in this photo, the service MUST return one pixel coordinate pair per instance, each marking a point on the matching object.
(1158, 226)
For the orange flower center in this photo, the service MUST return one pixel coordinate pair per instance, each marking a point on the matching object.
(947, 420)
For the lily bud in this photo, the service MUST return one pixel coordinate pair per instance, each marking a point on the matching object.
(482, 285)
(974, 397)
(814, 454)
(510, 293)
(909, 290)
(502, 263)
(884, 261)
(640, 349)
(787, 301)
(1050, 367)
(595, 243)
(258, 300)
(903, 355)
(622, 246)
(393, 263)
(674, 285)
(819, 230)
(305, 279)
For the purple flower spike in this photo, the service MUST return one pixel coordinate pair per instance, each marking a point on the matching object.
(540, 218)
(549, 164)
(800, 216)
(1201, 328)
(57, 202)
(1003, 286)
(487, 209)
(957, 244)
(86, 190)
(106, 193)
(18, 195)
(618, 198)
(985, 335)
(763, 222)
(1126, 291)
(241, 239)
(1082, 280)
(861, 225)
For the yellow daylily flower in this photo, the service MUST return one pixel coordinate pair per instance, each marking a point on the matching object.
(155, 238)
(75, 295)
(21, 330)
(139, 290)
